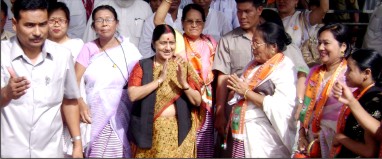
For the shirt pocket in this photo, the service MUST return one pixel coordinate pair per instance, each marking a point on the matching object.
(240, 56)
(49, 91)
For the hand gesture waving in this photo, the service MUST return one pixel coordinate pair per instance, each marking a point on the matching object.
(17, 86)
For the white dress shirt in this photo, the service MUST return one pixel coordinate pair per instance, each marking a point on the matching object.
(31, 126)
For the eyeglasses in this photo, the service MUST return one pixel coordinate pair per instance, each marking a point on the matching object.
(57, 20)
(191, 22)
(101, 21)
(256, 45)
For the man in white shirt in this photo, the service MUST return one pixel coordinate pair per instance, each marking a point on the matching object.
(133, 13)
(37, 82)
(173, 18)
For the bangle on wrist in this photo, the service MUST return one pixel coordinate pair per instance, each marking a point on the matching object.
(168, 1)
(185, 89)
(245, 93)
(75, 138)
(299, 100)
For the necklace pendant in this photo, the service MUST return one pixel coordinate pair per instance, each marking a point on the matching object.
(114, 66)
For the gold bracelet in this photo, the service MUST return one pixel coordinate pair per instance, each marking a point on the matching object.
(245, 93)
(168, 1)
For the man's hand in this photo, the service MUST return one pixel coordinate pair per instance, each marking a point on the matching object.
(220, 121)
(17, 86)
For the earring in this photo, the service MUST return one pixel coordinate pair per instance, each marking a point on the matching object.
(273, 51)
(342, 53)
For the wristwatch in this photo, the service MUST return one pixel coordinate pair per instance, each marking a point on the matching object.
(299, 100)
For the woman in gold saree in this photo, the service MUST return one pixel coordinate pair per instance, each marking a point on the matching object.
(165, 91)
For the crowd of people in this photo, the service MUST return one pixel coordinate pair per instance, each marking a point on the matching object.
(187, 79)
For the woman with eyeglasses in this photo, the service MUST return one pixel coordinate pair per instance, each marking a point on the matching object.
(199, 52)
(59, 18)
(105, 64)
(262, 99)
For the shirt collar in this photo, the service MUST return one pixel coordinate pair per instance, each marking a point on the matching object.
(240, 32)
(17, 51)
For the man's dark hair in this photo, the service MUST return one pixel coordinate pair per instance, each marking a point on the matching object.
(4, 8)
(24, 5)
(256, 3)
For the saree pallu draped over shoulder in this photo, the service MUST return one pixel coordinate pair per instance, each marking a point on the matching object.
(147, 123)
(200, 54)
(108, 101)
(266, 130)
(317, 99)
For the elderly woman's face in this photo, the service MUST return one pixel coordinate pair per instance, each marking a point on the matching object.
(165, 46)
(262, 51)
(105, 24)
(58, 25)
(193, 24)
(329, 48)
